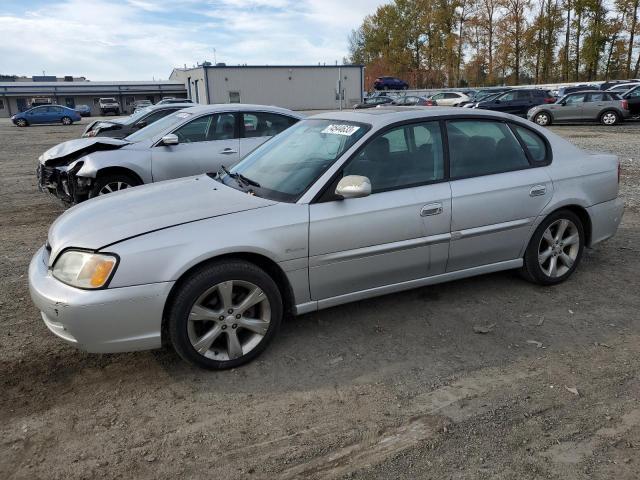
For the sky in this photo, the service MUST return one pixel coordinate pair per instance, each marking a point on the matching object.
(146, 39)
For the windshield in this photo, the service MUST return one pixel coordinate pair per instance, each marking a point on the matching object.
(157, 127)
(287, 165)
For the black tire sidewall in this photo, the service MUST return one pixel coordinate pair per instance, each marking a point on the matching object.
(204, 278)
(532, 269)
(103, 180)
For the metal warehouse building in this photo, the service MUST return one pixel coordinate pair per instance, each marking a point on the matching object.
(300, 87)
(18, 96)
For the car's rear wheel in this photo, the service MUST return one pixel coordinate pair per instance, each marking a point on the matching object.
(555, 249)
(224, 315)
(112, 182)
(66, 121)
(21, 122)
(609, 118)
(543, 119)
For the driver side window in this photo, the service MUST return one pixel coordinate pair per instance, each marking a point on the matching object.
(402, 157)
(219, 126)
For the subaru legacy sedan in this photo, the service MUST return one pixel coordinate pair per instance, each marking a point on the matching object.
(190, 141)
(340, 207)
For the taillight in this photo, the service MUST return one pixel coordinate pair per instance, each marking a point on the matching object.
(549, 100)
(625, 104)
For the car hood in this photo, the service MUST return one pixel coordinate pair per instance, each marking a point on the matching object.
(65, 152)
(118, 216)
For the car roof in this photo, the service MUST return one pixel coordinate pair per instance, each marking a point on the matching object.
(152, 108)
(235, 107)
(386, 115)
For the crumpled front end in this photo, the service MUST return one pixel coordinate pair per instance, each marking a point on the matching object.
(63, 182)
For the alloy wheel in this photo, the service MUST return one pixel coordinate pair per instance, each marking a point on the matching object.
(542, 119)
(229, 320)
(609, 118)
(22, 123)
(113, 187)
(559, 248)
(66, 121)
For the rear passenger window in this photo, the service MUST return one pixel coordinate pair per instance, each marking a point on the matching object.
(482, 148)
(536, 146)
(403, 157)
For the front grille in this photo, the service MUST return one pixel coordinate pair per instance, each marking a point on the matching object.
(47, 177)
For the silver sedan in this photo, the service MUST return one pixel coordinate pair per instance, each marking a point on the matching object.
(193, 140)
(342, 206)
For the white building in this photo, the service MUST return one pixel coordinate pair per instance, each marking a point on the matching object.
(298, 87)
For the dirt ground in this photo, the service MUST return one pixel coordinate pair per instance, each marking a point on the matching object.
(395, 387)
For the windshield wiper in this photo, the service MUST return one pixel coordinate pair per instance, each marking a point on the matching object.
(238, 177)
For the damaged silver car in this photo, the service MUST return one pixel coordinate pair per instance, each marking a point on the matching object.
(188, 142)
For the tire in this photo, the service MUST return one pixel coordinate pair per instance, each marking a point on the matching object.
(207, 331)
(112, 182)
(609, 118)
(66, 121)
(21, 122)
(543, 119)
(554, 249)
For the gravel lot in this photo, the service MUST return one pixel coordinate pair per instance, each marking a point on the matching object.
(395, 387)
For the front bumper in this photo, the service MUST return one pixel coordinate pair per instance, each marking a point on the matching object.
(63, 183)
(101, 321)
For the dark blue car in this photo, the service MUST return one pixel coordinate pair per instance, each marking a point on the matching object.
(46, 114)
(389, 83)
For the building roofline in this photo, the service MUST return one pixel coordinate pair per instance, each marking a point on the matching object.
(220, 67)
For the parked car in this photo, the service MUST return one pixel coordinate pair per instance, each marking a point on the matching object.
(109, 105)
(411, 100)
(371, 102)
(632, 97)
(46, 114)
(389, 83)
(187, 142)
(449, 99)
(592, 105)
(517, 101)
(83, 110)
(562, 91)
(482, 95)
(165, 101)
(122, 127)
(623, 87)
(211, 263)
(481, 98)
(612, 83)
(141, 104)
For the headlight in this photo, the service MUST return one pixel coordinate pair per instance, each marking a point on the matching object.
(84, 269)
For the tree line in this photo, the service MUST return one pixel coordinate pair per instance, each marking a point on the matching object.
(457, 43)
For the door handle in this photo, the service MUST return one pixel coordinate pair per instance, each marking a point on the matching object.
(537, 191)
(431, 209)
(227, 151)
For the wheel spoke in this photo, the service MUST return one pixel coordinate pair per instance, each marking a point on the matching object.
(544, 256)
(255, 325)
(225, 289)
(562, 226)
(548, 237)
(254, 297)
(204, 343)
(571, 239)
(234, 349)
(108, 188)
(566, 259)
(553, 266)
(201, 313)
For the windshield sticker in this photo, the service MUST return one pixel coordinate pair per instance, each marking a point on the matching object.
(183, 115)
(347, 130)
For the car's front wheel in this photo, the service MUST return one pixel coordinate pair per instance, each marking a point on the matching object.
(112, 182)
(66, 121)
(21, 122)
(543, 119)
(555, 249)
(609, 118)
(224, 315)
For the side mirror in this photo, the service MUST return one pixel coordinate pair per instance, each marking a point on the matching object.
(354, 186)
(170, 139)
(141, 124)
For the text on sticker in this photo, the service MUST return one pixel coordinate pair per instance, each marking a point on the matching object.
(347, 130)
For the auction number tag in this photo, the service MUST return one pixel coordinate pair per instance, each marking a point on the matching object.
(347, 130)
